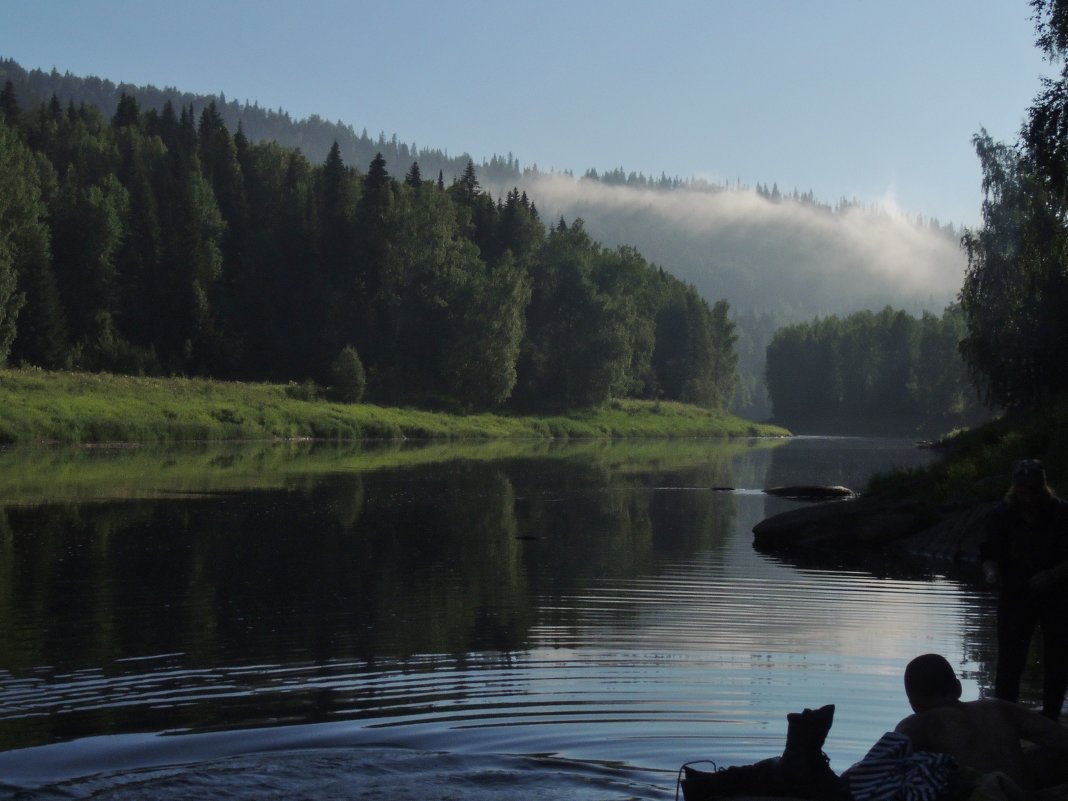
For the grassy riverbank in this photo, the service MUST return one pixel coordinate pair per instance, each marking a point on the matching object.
(38, 406)
(976, 463)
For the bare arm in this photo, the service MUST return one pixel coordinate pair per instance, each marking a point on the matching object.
(1037, 728)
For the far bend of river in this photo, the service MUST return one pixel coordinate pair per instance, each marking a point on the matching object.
(310, 622)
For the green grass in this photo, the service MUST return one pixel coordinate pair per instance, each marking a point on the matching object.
(76, 408)
(977, 462)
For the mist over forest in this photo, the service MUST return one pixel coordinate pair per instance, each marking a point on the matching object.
(777, 257)
(798, 258)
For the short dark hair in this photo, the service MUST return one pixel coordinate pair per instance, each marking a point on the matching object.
(1029, 471)
(930, 675)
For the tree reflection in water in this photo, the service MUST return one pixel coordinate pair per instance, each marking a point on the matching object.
(436, 590)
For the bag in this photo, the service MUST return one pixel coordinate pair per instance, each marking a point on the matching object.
(803, 770)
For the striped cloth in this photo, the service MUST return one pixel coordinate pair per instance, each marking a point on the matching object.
(891, 772)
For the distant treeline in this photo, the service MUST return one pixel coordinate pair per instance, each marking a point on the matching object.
(884, 371)
(159, 242)
(315, 136)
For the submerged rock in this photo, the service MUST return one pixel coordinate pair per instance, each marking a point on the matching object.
(812, 492)
(874, 523)
(955, 536)
(860, 523)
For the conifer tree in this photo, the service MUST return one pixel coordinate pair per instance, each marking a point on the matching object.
(9, 106)
(380, 270)
(468, 185)
(412, 177)
(336, 285)
(31, 323)
(128, 112)
(137, 260)
(87, 229)
(219, 165)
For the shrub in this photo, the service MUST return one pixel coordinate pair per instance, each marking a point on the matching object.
(348, 376)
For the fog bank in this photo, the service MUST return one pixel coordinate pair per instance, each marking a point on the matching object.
(788, 257)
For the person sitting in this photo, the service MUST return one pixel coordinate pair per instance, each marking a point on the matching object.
(984, 735)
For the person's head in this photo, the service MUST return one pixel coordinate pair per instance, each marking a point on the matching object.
(1029, 483)
(930, 682)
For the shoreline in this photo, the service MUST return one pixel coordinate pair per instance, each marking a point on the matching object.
(39, 407)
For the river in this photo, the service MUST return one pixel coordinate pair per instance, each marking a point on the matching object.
(431, 622)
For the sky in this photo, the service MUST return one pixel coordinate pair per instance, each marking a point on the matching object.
(856, 99)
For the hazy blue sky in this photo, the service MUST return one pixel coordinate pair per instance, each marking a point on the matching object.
(848, 98)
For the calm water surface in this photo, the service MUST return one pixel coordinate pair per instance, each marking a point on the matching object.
(574, 622)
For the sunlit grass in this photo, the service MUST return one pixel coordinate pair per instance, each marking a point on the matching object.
(977, 462)
(54, 407)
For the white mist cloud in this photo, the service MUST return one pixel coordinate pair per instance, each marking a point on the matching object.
(764, 253)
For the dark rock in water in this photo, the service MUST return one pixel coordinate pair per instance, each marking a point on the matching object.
(811, 492)
(864, 522)
(904, 526)
(954, 537)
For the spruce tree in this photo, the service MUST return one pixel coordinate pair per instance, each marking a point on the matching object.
(31, 318)
(128, 112)
(413, 177)
(9, 106)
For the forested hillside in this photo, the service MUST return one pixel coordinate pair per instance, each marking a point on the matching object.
(162, 242)
(778, 256)
(313, 135)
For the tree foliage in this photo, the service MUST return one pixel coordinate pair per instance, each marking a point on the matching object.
(24, 246)
(349, 378)
(872, 372)
(156, 241)
(1016, 286)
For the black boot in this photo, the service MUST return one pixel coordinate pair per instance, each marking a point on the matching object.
(804, 768)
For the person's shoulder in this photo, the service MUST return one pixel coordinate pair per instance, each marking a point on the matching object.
(911, 725)
(921, 721)
(992, 703)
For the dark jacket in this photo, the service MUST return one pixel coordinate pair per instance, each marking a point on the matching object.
(1022, 549)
